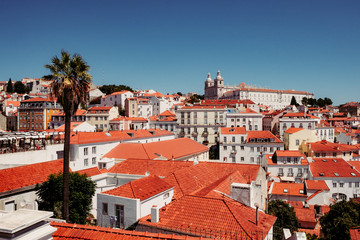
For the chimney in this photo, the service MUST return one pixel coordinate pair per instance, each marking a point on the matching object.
(155, 214)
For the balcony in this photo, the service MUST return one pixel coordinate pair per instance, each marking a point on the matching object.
(205, 134)
(290, 174)
(194, 134)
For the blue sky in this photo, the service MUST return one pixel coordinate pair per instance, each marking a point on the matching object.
(170, 46)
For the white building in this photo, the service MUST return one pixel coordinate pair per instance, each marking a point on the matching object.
(87, 148)
(290, 166)
(165, 120)
(121, 207)
(247, 147)
(201, 123)
(296, 120)
(277, 99)
(116, 99)
(247, 118)
(342, 178)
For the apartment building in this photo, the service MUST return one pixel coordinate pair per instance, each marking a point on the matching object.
(201, 123)
(296, 120)
(100, 117)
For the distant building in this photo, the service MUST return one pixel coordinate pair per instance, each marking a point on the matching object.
(277, 99)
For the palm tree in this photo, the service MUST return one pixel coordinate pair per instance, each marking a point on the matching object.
(70, 87)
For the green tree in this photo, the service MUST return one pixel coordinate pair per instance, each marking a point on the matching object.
(286, 217)
(328, 101)
(82, 189)
(293, 101)
(9, 87)
(342, 216)
(321, 102)
(20, 88)
(304, 101)
(70, 86)
(312, 102)
(109, 89)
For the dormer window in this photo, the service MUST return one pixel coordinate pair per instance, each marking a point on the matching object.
(336, 174)
(285, 190)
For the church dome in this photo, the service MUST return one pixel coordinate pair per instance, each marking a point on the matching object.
(208, 80)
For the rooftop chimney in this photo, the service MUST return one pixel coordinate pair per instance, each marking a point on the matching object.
(155, 214)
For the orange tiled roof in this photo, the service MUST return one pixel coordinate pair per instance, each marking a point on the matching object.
(170, 149)
(14, 103)
(354, 233)
(220, 218)
(226, 102)
(39, 99)
(28, 175)
(262, 134)
(325, 146)
(305, 214)
(78, 112)
(90, 171)
(167, 113)
(316, 185)
(136, 119)
(142, 188)
(332, 167)
(120, 92)
(205, 107)
(288, 189)
(233, 130)
(154, 167)
(288, 153)
(85, 232)
(100, 108)
(293, 130)
(294, 114)
(202, 175)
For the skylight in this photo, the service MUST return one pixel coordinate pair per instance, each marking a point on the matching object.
(285, 190)
(336, 174)
(353, 174)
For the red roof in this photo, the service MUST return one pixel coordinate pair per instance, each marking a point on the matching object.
(299, 114)
(220, 218)
(288, 189)
(14, 103)
(293, 130)
(170, 149)
(233, 130)
(115, 136)
(167, 113)
(154, 167)
(207, 174)
(316, 185)
(261, 135)
(142, 188)
(288, 153)
(120, 92)
(28, 175)
(39, 99)
(325, 146)
(332, 167)
(136, 119)
(90, 171)
(204, 107)
(104, 108)
(305, 214)
(355, 233)
(85, 232)
(226, 102)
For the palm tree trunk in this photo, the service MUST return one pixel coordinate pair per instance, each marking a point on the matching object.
(66, 167)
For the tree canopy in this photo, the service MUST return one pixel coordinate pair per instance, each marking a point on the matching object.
(293, 101)
(9, 87)
(286, 217)
(82, 189)
(109, 89)
(341, 217)
(19, 87)
(312, 102)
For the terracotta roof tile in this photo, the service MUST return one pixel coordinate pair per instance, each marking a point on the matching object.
(332, 167)
(316, 185)
(90, 171)
(167, 113)
(85, 232)
(142, 188)
(221, 218)
(28, 175)
(288, 189)
(261, 135)
(305, 214)
(170, 149)
(288, 153)
(233, 130)
(293, 130)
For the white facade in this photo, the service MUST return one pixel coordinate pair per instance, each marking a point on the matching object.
(116, 99)
(133, 209)
(297, 121)
(325, 133)
(249, 120)
(277, 99)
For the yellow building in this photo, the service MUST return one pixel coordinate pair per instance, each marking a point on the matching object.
(294, 137)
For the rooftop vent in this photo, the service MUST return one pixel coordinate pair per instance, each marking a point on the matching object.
(321, 174)
(285, 190)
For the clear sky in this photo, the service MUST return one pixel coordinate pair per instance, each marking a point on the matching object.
(170, 46)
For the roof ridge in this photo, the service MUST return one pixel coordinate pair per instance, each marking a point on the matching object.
(132, 190)
(147, 154)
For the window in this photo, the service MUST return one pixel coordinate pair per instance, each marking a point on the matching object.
(224, 139)
(233, 159)
(105, 209)
(86, 151)
(323, 154)
(242, 147)
(341, 184)
(233, 139)
(93, 150)
(252, 149)
(93, 160)
(297, 142)
(119, 213)
(317, 154)
(225, 147)
(166, 195)
(350, 183)
(258, 149)
(242, 159)
(252, 159)
(357, 184)
(86, 161)
(334, 184)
